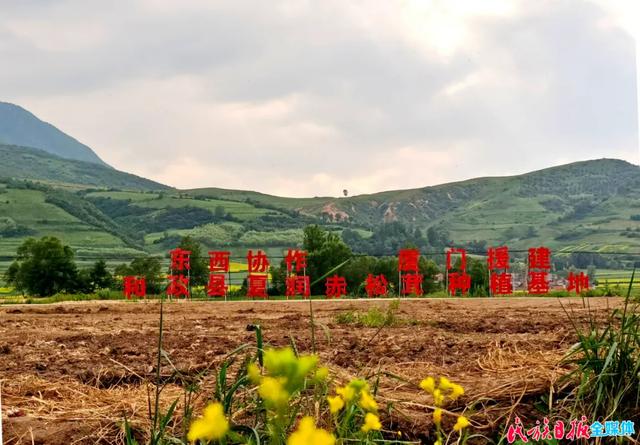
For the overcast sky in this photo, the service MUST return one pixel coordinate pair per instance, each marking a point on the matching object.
(306, 98)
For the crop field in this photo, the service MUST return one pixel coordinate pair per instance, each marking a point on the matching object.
(71, 372)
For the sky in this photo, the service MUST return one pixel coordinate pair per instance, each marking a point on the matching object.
(307, 98)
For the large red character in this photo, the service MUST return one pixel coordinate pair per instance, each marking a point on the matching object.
(297, 285)
(219, 261)
(258, 263)
(376, 285)
(538, 282)
(217, 286)
(257, 286)
(501, 283)
(498, 258)
(577, 282)
(299, 257)
(178, 286)
(411, 284)
(134, 286)
(408, 260)
(180, 259)
(539, 258)
(336, 286)
(463, 258)
(459, 282)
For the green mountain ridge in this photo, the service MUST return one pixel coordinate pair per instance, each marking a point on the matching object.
(38, 165)
(20, 127)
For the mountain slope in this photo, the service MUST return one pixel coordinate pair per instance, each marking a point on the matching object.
(20, 127)
(34, 164)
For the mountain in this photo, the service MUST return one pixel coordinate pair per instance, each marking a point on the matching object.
(38, 165)
(592, 202)
(101, 212)
(20, 127)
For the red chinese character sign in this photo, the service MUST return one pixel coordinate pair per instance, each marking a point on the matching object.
(257, 280)
(336, 286)
(539, 263)
(296, 281)
(178, 286)
(376, 285)
(577, 282)
(179, 283)
(134, 286)
(408, 268)
(218, 271)
(458, 281)
(500, 280)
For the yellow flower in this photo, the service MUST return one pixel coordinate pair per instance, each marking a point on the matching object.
(272, 390)
(437, 442)
(335, 404)
(322, 373)
(437, 416)
(456, 391)
(371, 422)
(445, 383)
(461, 423)
(254, 373)
(428, 384)
(438, 398)
(308, 434)
(367, 402)
(211, 426)
(347, 392)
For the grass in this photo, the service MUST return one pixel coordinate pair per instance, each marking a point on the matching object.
(375, 317)
(606, 363)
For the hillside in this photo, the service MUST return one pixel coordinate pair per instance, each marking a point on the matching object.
(587, 206)
(20, 127)
(38, 165)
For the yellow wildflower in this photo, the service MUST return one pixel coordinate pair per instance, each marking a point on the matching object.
(254, 373)
(335, 404)
(445, 383)
(428, 384)
(371, 422)
(438, 398)
(272, 390)
(308, 434)
(347, 392)
(437, 416)
(461, 423)
(456, 391)
(211, 426)
(437, 442)
(322, 373)
(367, 402)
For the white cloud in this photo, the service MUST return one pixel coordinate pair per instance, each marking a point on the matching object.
(307, 98)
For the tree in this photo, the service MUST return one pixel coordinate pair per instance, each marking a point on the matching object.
(43, 267)
(100, 276)
(149, 268)
(219, 213)
(325, 251)
(199, 271)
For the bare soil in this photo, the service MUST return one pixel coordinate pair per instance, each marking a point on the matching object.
(70, 372)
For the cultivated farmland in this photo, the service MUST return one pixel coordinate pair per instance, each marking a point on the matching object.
(71, 372)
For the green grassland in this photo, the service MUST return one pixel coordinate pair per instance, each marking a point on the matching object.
(100, 212)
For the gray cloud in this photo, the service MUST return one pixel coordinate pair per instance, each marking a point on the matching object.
(306, 98)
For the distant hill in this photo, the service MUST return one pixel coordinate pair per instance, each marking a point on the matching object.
(20, 127)
(100, 211)
(38, 165)
(589, 202)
